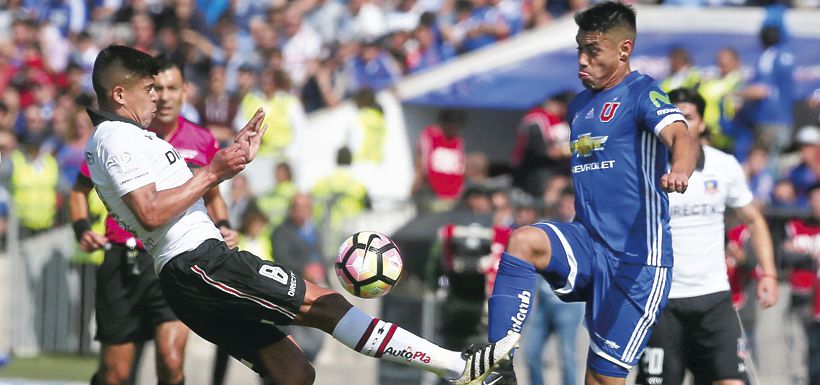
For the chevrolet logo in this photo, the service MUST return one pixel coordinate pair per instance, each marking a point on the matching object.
(586, 144)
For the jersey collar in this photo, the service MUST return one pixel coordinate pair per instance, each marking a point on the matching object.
(98, 117)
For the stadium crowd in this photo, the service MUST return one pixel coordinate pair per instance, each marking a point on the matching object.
(295, 57)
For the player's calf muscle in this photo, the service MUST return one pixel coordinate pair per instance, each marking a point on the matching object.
(532, 245)
(322, 308)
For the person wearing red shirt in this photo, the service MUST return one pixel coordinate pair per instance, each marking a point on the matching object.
(439, 178)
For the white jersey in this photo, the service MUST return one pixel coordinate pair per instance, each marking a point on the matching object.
(123, 157)
(697, 224)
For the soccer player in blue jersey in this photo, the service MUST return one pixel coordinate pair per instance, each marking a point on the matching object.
(617, 254)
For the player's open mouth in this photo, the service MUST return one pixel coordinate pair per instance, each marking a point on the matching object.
(583, 75)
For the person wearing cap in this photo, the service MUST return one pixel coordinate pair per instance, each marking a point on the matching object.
(805, 174)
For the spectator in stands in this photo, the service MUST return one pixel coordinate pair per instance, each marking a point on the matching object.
(325, 17)
(768, 98)
(255, 233)
(545, 11)
(325, 85)
(363, 21)
(486, 26)
(719, 96)
(511, 11)
(245, 81)
(372, 68)
(143, 33)
(284, 116)
(477, 169)
(784, 196)
(430, 49)
(439, 163)
(7, 145)
(807, 173)
(217, 108)
(682, 74)
(761, 180)
(338, 197)
(802, 254)
(71, 154)
(241, 197)
(31, 174)
(368, 131)
(503, 212)
(551, 316)
(274, 204)
(541, 147)
(297, 244)
(302, 46)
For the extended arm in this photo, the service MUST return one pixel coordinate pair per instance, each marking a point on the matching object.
(684, 149)
(155, 208)
(761, 240)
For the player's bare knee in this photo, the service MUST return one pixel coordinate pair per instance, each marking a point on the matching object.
(114, 374)
(169, 368)
(322, 309)
(530, 244)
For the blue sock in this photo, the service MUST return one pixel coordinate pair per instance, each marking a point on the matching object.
(513, 296)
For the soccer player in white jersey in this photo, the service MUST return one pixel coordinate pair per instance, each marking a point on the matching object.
(231, 298)
(699, 330)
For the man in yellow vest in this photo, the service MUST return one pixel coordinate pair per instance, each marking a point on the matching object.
(338, 196)
(681, 72)
(284, 116)
(33, 178)
(274, 204)
(718, 94)
(369, 131)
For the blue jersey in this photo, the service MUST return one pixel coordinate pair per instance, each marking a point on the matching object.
(617, 163)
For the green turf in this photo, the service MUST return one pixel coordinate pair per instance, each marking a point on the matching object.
(57, 367)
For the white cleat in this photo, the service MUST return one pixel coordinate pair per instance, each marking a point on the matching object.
(481, 362)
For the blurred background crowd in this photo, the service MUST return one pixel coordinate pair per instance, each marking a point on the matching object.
(302, 56)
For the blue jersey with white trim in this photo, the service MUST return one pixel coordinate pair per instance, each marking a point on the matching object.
(617, 162)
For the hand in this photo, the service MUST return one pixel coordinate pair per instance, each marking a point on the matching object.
(315, 273)
(228, 162)
(250, 137)
(231, 237)
(674, 182)
(767, 291)
(91, 241)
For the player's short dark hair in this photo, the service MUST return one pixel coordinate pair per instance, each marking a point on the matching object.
(133, 63)
(688, 95)
(603, 17)
(166, 62)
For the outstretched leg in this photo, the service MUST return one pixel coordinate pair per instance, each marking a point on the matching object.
(329, 311)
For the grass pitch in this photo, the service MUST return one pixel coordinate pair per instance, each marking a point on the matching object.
(51, 367)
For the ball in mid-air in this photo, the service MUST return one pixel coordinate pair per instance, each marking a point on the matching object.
(369, 264)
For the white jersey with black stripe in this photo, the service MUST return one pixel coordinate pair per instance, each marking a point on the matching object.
(122, 157)
(697, 224)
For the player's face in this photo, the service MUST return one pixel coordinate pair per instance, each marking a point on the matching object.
(599, 57)
(693, 118)
(170, 94)
(140, 100)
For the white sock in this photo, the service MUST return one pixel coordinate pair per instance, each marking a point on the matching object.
(376, 338)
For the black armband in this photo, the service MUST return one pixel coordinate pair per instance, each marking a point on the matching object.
(223, 223)
(80, 226)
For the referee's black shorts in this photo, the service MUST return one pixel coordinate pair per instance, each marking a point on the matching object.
(701, 334)
(128, 298)
(232, 298)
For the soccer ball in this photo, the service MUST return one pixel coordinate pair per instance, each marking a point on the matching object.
(369, 264)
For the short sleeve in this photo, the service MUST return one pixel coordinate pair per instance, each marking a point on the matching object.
(738, 193)
(656, 111)
(126, 164)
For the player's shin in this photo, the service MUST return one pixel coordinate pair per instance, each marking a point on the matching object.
(384, 340)
(512, 298)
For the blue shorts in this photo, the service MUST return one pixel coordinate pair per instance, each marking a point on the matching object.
(623, 300)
